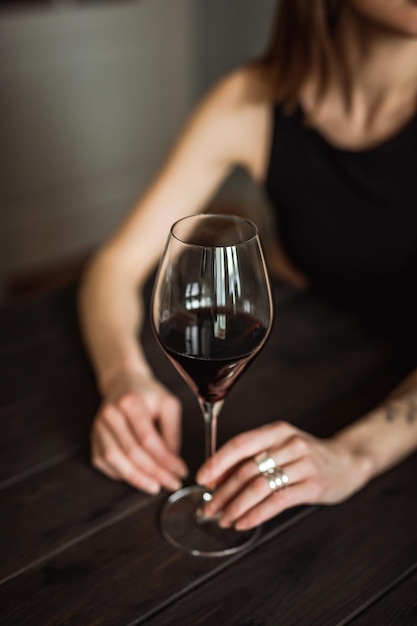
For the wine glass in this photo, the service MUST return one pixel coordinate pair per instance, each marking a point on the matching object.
(211, 312)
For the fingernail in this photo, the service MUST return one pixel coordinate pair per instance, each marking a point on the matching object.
(183, 472)
(205, 482)
(174, 485)
(179, 467)
(153, 488)
(203, 476)
(224, 523)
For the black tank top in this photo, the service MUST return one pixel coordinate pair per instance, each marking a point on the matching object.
(348, 219)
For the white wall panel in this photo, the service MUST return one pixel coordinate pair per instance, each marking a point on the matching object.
(90, 100)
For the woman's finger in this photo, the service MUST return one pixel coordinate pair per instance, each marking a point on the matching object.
(98, 461)
(243, 446)
(121, 431)
(234, 482)
(144, 429)
(170, 423)
(253, 493)
(231, 487)
(276, 503)
(114, 457)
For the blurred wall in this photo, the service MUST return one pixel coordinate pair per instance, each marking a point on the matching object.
(91, 97)
(225, 33)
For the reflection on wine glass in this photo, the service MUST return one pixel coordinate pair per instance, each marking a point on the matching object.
(211, 313)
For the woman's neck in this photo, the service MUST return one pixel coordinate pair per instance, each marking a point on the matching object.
(372, 88)
(374, 69)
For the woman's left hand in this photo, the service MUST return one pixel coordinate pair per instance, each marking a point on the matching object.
(319, 472)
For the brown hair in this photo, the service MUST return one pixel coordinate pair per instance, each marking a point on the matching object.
(300, 45)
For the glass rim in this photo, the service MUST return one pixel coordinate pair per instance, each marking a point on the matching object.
(235, 218)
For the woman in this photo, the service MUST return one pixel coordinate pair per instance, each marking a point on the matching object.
(332, 107)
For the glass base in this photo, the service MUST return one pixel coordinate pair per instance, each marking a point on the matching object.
(182, 528)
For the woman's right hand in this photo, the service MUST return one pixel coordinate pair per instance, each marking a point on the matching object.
(136, 435)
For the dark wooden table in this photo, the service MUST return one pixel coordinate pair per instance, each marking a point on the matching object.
(77, 548)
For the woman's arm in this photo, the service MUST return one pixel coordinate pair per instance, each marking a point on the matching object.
(389, 433)
(319, 471)
(136, 434)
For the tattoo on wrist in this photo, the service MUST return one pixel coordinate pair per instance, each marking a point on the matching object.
(406, 405)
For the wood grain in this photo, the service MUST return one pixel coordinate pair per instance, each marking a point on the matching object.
(321, 573)
(47, 390)
(397, 606)
(123, 573)
(80, 549)
(56, 508)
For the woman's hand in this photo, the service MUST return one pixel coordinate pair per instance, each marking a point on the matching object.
(136, 435)
(318, 471)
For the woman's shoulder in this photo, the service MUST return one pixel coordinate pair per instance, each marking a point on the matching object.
(241, 102)
(243, 89)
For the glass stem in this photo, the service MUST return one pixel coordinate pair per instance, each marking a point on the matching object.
(210, 413)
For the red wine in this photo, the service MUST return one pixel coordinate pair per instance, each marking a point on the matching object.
(211, 349)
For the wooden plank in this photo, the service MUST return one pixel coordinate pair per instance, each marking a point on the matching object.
(24, 319)
(42, 431)
(71, 482)
(51, 420)
(341, 370)
(396, 606)
(56, 508)
(47, 390)
(48, 396)
(127, 573)
(40, 348)
(38, 520)
(321, 571)
(122, 573)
